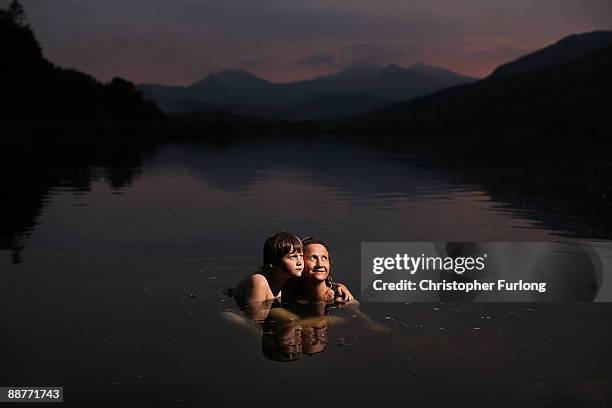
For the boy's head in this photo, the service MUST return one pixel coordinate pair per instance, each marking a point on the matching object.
(283, 250)
(317, 261)
(282, 341)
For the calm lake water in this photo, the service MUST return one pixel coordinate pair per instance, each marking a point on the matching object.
(112, 276)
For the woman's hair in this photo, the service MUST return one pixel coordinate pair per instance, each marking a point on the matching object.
(277, 246)
(312, 240)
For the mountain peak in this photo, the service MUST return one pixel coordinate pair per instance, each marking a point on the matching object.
(233, 74)
(361, 67)
(357, 71)
(440, 73)
(394, 67)
(423, 65)
(233, 77)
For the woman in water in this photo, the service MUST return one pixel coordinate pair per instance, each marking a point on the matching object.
(315, 283)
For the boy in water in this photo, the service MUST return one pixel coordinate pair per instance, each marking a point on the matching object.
(282, 260)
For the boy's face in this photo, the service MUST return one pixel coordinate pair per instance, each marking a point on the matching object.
(316, 262)
(292, 263)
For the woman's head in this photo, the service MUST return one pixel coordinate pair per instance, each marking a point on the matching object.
(317, 261)
(315, 335)
(283, 252)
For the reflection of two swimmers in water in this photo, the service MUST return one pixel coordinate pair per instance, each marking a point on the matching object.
(291, 297)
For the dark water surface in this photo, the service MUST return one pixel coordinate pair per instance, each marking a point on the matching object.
(112, 271)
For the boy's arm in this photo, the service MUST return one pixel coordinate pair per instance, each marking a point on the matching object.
(253, 288)
(254, 297)
(257, 311)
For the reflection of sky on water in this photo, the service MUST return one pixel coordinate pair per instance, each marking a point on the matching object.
(193, 203)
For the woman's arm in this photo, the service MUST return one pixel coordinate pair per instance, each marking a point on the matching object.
(342, 293)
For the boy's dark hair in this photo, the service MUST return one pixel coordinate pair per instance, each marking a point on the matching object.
(277, 246)
(312, 240)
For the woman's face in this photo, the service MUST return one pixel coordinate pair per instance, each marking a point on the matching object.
(316, 262)
(292, 263)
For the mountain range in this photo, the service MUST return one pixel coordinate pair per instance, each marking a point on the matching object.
(358, 88)
(563, 88)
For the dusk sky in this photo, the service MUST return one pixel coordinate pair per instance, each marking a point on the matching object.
(181, 41)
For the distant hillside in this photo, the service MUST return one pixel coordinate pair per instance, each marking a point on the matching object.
(574, 95)
(565, 50)
(33, 87)
(358, 88)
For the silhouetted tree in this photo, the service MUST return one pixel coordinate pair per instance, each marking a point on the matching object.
(18, 46)
(31, 86)
(17, 13)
